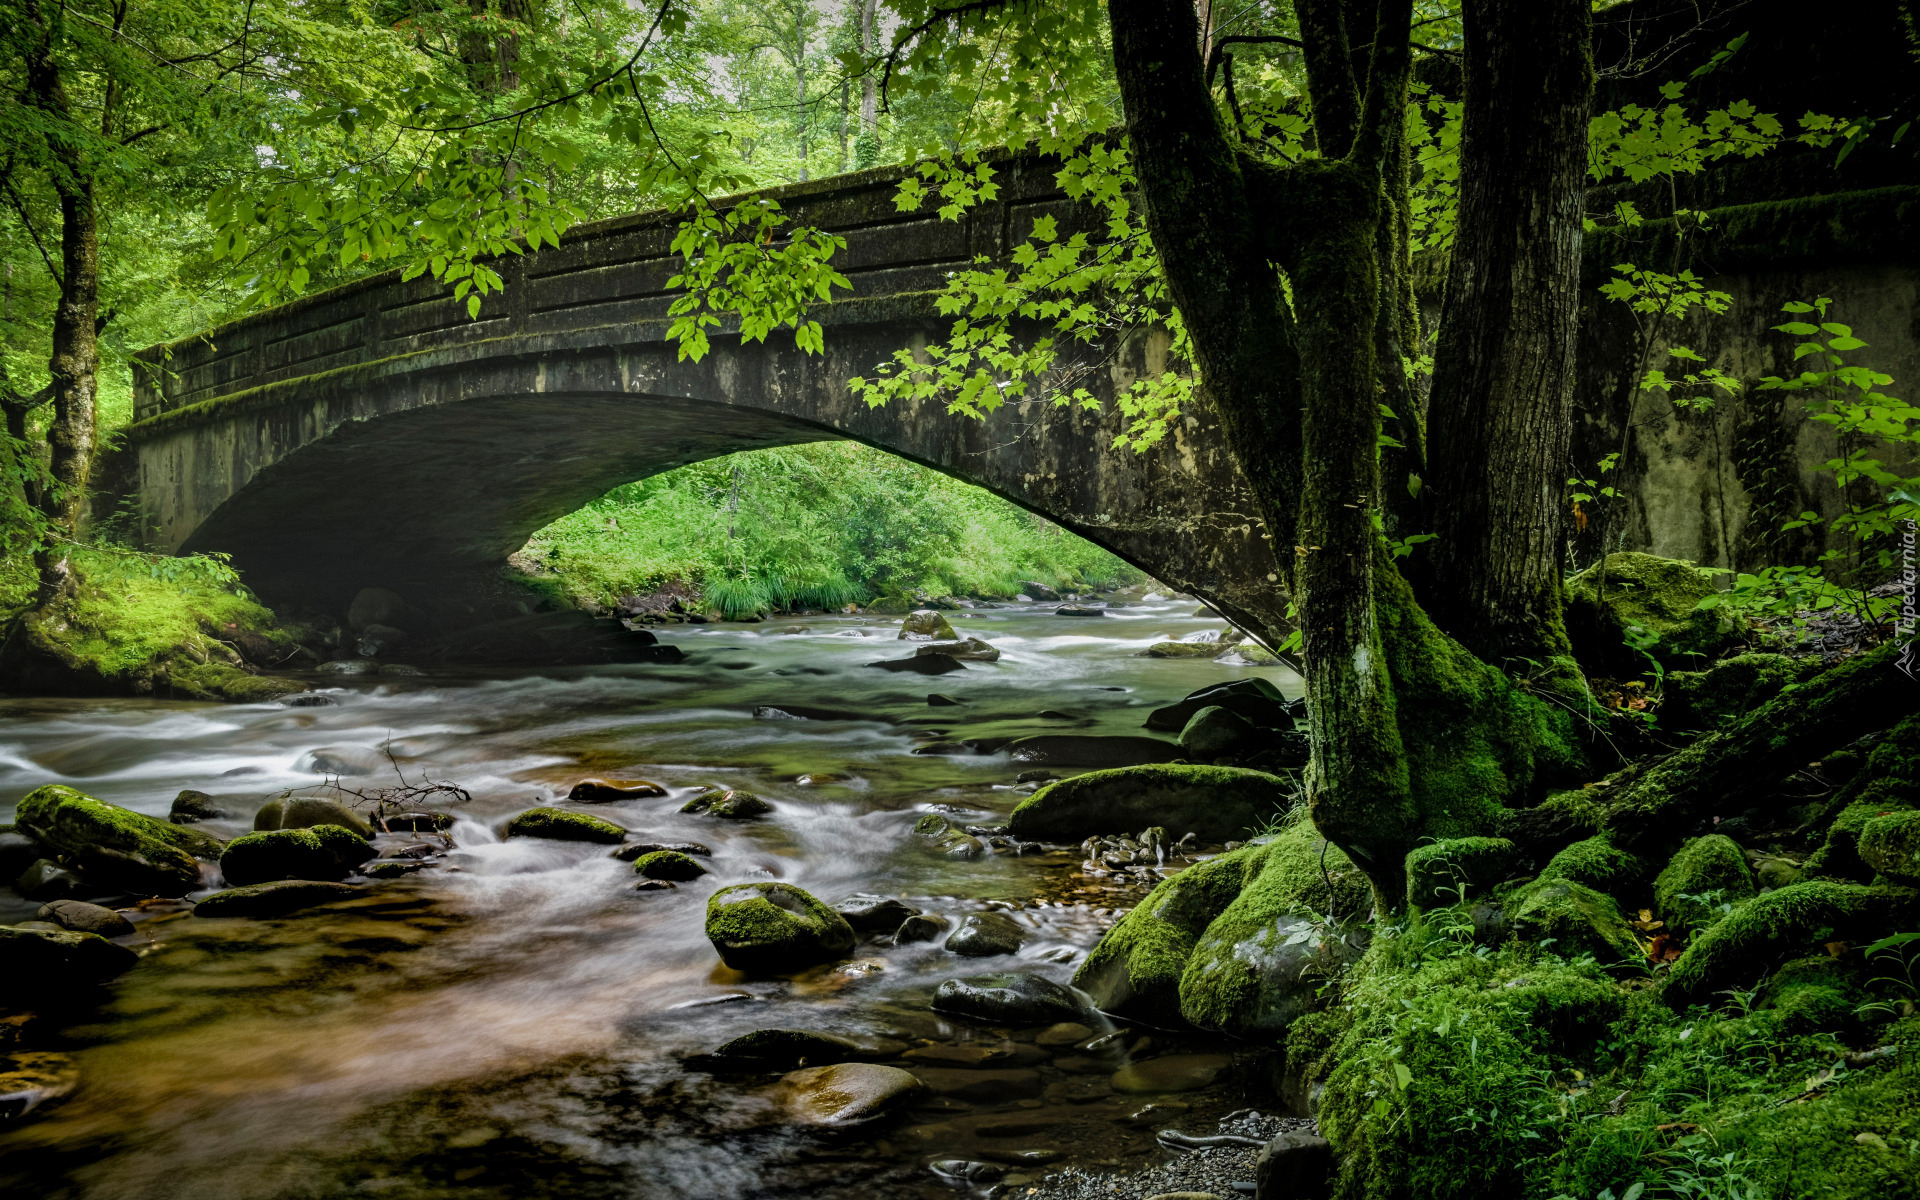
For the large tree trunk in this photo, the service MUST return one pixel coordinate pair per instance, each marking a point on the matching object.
(1412, 736)
(1501, 409)
(75, 361)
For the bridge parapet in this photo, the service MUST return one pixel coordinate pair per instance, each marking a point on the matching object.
(611, 272)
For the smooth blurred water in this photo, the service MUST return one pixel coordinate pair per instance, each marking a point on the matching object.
(513, 1021)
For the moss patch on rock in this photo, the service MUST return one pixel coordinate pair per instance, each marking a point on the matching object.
(669, 865)
(1217, 803)
(1438, 872)
(322, 852)
(1135, 969)
(115, 846)
(1573, 918)
(1706, 872)
(1630, 590)
(1730, 689)
(1890, 844)
(1261, 963)
(774, 928)
(561, 825)
(124, 632)
(1791, 920)
(1597, 863)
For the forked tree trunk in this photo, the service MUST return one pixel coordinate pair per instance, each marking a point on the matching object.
(1501, 410)
(1412, 736)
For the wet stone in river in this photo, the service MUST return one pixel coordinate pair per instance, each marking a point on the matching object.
(732, 805)
(85, 918)
(1011, 998)
(985, 935)
(922, 928)
(875, 914)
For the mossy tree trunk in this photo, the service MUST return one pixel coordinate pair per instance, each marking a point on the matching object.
(1298, 389)
(75, 361)
(1501, 411)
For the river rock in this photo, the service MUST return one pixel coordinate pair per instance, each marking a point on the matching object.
(981, 1086)
(1258, 701)
(731, 805)
(376, 640)
(1078, 610)
(922, 664)
(655, 885)
(607, 791)
(926, 625)
(1066, 1033)
(1216, 732)
(786, 1048)
(378, 606)
(561, 825)
(922, 928)
(1183, 650)
(635, 850)
(274, 899)
(874, 914)
(17, 852)
(1171, 1073)
(970, 650)
(774, 928)
(391, 868)
(1032, 590)
(323, 852)
(82, 917)
(1010, 998)
(349, 666)
(40, 964)
(1091, 750)
(1215, 803)
(986, 934)
(305, 812)
(45, 879)
(116, 847)
(190, 806)
(669, 865)
(846, 1095)
(1297, 1165)
(346, 760)
(31, 1079)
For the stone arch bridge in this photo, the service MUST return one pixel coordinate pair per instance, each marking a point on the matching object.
(374, 435)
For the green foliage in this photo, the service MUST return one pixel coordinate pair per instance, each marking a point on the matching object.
(812, 526)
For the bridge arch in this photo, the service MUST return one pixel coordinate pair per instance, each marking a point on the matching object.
(375, 436)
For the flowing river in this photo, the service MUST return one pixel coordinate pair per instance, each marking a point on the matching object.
(517, 1021)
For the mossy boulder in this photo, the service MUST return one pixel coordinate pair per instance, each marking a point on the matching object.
(774, 928)
(1630, 591)
(1135, 969)
(560, 825)
(668, 864)
(1730, 689)
(1890, 844)
(1811, 995)
(948, 838)
(324, 852)
(191, 806)
(116, 847)
(1597, 863)
(44, 964)
(1575, 918)
(1215, 803)
(305, 812)
(1706, 872)
(274, 899)
(1438, 871)
(1888, 781)
(1795, 919)
(731, 805)
(926, 625)
(1262, 961)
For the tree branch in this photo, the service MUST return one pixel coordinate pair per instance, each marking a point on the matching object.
(907, 37)
(20, 207)
(1218, 56)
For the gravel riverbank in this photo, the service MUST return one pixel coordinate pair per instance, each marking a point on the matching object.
(1225, 1172)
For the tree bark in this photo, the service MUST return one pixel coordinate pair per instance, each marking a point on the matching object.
(1501, 410)
(75, 359)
